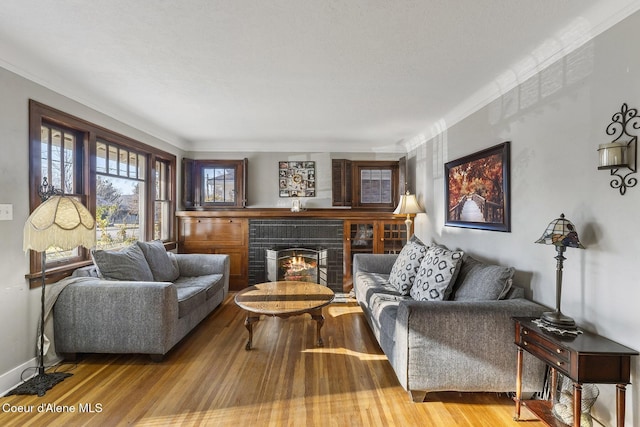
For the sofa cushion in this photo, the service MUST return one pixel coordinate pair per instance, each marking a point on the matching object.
(383, 312)
(478, 281)
(212, 283)
(126, 264)
(436, 275)
(405, 268)
(190, 297)
(372, 283)
(162, 268)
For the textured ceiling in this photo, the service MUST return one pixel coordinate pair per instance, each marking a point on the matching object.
(294, 75)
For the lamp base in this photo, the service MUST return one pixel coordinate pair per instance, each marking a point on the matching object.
(558, 320)
(39, 384)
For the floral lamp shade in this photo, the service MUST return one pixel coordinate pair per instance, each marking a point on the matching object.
(561, 232)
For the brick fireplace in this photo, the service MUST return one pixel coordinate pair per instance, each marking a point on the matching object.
(289, 233)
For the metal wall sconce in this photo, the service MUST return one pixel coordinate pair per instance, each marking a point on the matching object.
(620, 155)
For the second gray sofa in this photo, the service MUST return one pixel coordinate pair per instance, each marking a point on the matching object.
(449, 344)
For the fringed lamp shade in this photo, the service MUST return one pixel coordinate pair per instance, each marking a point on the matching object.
(61, 222)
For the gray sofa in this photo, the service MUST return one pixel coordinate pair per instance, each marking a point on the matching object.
(126, 310)
(464, 345)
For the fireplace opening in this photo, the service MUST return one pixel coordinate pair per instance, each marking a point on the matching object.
(297, 264)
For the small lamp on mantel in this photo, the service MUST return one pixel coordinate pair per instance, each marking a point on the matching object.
(64, 223)
(562, 234)
(408, 205)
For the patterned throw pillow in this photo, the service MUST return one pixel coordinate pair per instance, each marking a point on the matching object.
(404, 270)
(436, 274)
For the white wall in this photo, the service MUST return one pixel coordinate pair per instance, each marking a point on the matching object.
(555, 121)
(20, 306)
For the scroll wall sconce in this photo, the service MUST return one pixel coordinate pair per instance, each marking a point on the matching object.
(620, 155)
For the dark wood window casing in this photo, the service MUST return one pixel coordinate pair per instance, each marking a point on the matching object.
(84, 178)
(214, 184)
(347, 183)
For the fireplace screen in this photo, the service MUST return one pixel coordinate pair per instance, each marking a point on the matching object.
(297, 264)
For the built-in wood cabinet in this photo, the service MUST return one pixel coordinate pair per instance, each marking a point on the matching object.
(383, 236)
(227, 232)
(209, 235)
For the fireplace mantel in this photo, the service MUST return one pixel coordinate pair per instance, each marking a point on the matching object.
(333, 213)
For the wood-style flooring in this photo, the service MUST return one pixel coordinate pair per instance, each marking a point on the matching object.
(285, 380)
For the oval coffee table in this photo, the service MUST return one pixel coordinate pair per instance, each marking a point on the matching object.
(283, 299)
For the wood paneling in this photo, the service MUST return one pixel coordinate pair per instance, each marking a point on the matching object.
(226, 232)
(209, 379)
(218, 236)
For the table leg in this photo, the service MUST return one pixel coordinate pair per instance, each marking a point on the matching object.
(620, 395)
(553, 384)
(577, 403)
(516, 417)
(248, 323)
(319, 318)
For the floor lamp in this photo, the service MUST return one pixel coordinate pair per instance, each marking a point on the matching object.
(408, 205)
(64, 223)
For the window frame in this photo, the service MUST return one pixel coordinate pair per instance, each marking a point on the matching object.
(193, 178)
(346, 183)
(85, 152)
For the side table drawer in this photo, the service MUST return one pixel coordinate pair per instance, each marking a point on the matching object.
(550, 352)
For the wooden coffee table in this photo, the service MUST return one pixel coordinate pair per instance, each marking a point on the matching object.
(284, 299)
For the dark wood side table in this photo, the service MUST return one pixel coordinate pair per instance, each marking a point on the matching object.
(586, 358)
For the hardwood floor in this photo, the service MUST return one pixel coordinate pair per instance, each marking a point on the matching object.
(285, 380)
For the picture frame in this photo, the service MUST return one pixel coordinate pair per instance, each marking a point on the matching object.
(477, 190)
(297, 179)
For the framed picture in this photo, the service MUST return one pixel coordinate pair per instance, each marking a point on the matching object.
(477, 190)
(297, 179)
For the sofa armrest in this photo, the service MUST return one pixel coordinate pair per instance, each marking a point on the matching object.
(373, 263)
(192, 265)
(456, 345)
(107, 316)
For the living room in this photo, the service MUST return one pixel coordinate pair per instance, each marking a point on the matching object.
(553, 102)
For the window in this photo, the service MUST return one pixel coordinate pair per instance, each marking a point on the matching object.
(218, 185)
(129, 186)
(366, 184)
(375, 186)
(213, 184)
(59, 157)
(162, 217)
(120, 189)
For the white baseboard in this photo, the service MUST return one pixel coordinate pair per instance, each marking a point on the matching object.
(10, 379)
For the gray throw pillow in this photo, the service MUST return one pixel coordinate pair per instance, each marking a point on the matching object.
(436, 275)
(405, 268)
(482, 282)
(162, 267)
(126, 264)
